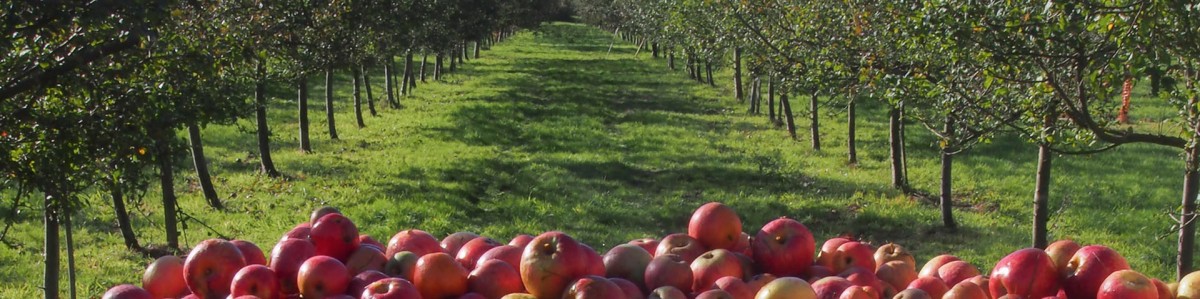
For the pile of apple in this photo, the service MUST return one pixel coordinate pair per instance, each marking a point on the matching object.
(328, 258)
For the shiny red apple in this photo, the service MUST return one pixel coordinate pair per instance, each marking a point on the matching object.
(323, 276)
(255, 280)
(164, 278)
(1127, 284)
(210, 267)
(715, 226)
(714, 265)
(335, 236)
(784, 247)
(416, 241)
(627, 261)
(286, 258)
(494, 279)
(1088, 269)
(469, 253)
(452, 243)
(1027, 272)
(391, 288)
(682, 245)
(550, 263)
(669, 270)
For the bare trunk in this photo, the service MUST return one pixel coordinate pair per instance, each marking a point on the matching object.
(424, 58)
(410, 73)
(329, 104)
(407, 71)
(50, 235)
(358, 117)
(118, 201)
(388, 84)
(852, 150)
(302, 98)
(453, 62)
(437, 67)
(946, 201)
(896, 143)
(771, 100)
(671, 59)
(787, 112)
(264, 132)
(166, 176)
(1041, 197)
(70, 252)
(366, 77)
(816, 122)
(201, 164)
(477, 42)
(1187, 231)
(709, 71)
(737, 74)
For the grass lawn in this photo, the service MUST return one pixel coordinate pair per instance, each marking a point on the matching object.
(556, 131)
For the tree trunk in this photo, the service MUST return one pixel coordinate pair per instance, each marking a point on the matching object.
(737, 74)
(1041, 197)
(453, 62)
(389, 85)
(50, 249)
(167, 182)
(407, 71)
(787, 112)
(771, 100)
(410, 73)
(366, 78)
(329, 104)
(816, 121)
(654, 50)
(671, 59)
(477, 42)
(899, 178)
(437, 67)
(358, 117)
(946, 201)
(302, 98)
(201, 164)
(708, 69)
(1155, 80)
(850, 132)
(70, 252)
(424, 58)
(1187, 230)
(260, 115)
(118, 201)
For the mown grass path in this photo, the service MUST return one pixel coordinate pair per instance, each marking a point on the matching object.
(556, 130)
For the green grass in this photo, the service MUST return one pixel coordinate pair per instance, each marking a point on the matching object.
(554, 131)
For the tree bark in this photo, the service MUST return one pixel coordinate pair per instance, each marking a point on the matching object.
(851, 135)
(437, 67)
(366, 78)
(50, 236)
(358, 117)
(388, 85)
(410, 73)
(424, 58)
(201, 164)
(477, 42)
(771, 100)
(167, 183)
(787, 112)
(453, 61)
(1187, 231)
(407, 71)
(260, 115)
(302, 98)
(1041, 191)
(737, 74)
(70, 252)
(896, 143)
(329, 104)
(654, 49)
(118, 201)
(816, 121)
(708, 69)
(671, 59)
(947, 203)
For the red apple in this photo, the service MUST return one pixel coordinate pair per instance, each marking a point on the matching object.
(323, 276)
(931, 267)
(669, 270)
(286, 258)
(439, 276)
(1061, 252)
(860, 292)
(682, 245)
(365, 239)
(735, 287)
(416, 241)
(593, 262)
(1127, 284)
(520, 240)
(714, 294)
(335, 236)
(630, 289)
(713, 265)
(957, 271)
(894, 252)
(1027, 272)
(401, 265)
(164, 278)
(550, 262)
(391, 288)
(897, 274)
(251, 252)
(470, 252)
(825, 257)
(743, 246)
(667, 292)
(627, 261)
(256, 280)
(933, 286)
(831, 287)
(361, 281)
(366, 258)
(862, 277)
(1088, 269)
(649, 244)
(784, 247)
(1163, 290)
(816, 272)
(452, 243)
(494, 279)
(505, 253)
(127, 291)
(912, 294)
(966, 290)
(593, 287)
(853, 254)
(787, 288)
(300, 231)
(758, 281)
(321, 212)
(210, 267)
(716, 226)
